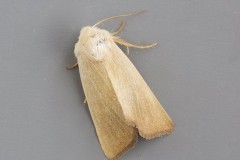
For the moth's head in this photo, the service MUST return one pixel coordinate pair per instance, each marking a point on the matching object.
(93, 35)
(94, 40)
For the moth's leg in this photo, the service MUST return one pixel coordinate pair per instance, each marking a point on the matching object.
(127, 50)
(127, 44)
(120, 28)
(72, 66)
(85, 100)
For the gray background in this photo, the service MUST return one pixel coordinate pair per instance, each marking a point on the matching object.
(194, 72)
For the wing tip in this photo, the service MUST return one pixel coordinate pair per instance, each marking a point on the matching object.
(150, 134)
(130, 145)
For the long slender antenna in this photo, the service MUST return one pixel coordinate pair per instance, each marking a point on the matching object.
(113, 17)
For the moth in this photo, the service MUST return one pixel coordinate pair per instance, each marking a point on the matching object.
(120, 102)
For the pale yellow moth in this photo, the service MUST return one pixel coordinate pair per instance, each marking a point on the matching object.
(120, 102)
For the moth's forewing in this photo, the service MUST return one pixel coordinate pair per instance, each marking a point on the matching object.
(140, 107)
(114, 135)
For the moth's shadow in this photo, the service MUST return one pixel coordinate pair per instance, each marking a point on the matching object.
(78, 86)
(63, 39)
(142, 145)
(77, 82)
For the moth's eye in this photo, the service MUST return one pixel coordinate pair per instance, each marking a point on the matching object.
(102, 40)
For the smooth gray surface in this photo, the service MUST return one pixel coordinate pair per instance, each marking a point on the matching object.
(195, 73)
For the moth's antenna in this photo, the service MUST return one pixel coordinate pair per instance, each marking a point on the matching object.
(113, 17)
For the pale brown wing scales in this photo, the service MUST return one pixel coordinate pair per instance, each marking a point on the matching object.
(140, 107)
(114, 135)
